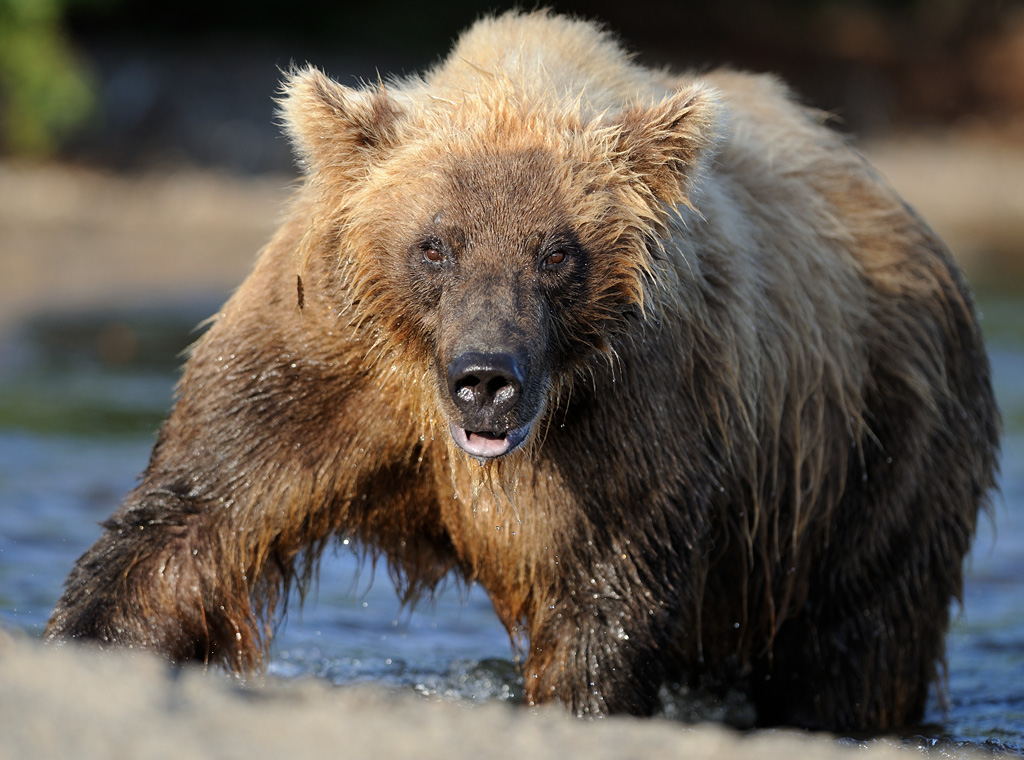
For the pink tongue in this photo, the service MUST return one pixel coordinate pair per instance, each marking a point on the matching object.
(485, 444)
(480, 444)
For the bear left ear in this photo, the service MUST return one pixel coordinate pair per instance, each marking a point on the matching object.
(333, 126)
(665, 146)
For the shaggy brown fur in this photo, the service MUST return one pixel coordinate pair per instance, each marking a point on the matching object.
(661, 363)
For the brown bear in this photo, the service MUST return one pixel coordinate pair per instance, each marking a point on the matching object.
(658, 361)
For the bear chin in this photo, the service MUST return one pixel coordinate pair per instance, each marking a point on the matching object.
(486, 445)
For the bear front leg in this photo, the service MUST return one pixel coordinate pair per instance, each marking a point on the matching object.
(160, 578)
(276, 445)
(238, 500)
(603, 656)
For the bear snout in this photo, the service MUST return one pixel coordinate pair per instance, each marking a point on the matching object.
(486, 388)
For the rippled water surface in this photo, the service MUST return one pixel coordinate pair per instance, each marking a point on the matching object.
(80, 400)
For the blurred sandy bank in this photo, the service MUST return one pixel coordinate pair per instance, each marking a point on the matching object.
(71, 703)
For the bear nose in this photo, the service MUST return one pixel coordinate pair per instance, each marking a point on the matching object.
(484, 386)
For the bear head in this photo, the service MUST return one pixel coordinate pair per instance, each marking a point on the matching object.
(496, 240)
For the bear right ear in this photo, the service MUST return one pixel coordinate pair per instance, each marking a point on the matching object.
(666, 145)
(336, 127)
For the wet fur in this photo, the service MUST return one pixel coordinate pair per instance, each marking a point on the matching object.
(765, 422)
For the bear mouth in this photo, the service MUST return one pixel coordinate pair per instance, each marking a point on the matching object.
(486, 445)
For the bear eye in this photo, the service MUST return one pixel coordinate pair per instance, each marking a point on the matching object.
(433, 252)
(555, 259)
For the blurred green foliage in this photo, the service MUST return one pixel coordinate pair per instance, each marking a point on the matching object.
(45, 91)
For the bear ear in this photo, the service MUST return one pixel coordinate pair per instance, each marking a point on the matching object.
(333, 126)
(666, 146)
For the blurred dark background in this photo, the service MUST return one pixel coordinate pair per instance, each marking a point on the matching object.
(134, 84)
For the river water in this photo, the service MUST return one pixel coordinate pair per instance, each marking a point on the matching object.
(81, 398)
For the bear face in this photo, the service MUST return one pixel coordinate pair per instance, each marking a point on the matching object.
(512, 250)
(495, 282)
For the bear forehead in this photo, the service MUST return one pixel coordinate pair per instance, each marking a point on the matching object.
(480, 196)
(508, 125)
(526, 183)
